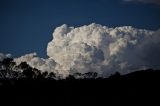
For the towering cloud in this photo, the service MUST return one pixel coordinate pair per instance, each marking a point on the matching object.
(97, 48)
(101, 49)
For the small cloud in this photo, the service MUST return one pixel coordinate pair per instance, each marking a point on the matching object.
(157, 2)
(3, 56)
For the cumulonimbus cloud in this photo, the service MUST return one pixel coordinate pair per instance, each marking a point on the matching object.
(101, 49)
(97, 48)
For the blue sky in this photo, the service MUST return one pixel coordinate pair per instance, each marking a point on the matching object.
(26, 25)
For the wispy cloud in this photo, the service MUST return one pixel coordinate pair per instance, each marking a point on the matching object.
(157, 2)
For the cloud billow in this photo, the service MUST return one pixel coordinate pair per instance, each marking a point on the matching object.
(97, 48)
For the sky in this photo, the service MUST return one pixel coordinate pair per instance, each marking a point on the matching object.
(27, 25)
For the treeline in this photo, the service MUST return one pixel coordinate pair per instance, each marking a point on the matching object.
(9, 70)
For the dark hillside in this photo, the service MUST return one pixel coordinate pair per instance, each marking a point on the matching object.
(32, 87)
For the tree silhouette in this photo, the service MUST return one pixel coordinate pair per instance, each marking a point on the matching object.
(70, 77)
(44, 74)
(90, 75)
(51, 75)
(7, 61)
(27, 70)
(6, 71)
(37, 73)
(23, 65)
(2, 73)
(28, 73)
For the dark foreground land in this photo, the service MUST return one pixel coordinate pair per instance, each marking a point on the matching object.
(137, 88)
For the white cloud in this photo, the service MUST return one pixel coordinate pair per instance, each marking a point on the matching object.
(144, 1)
(3, 56)
(96, 48)
(36, 62)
